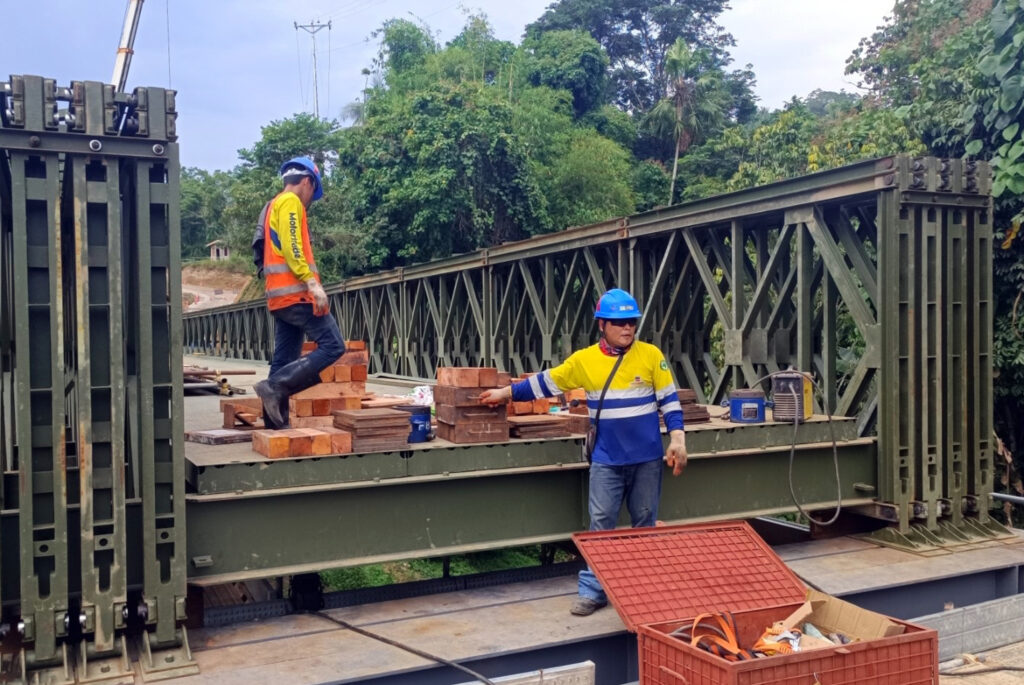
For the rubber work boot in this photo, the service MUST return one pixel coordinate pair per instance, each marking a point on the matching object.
(290, 379)
(584, 606)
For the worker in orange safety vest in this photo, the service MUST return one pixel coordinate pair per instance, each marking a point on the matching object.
(295, 297)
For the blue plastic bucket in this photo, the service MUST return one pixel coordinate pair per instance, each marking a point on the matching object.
(419, 420)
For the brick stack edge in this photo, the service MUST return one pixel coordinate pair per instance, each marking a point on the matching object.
(312, 431)
(461, 417)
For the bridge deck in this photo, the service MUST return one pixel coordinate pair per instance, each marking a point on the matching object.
(524, 626)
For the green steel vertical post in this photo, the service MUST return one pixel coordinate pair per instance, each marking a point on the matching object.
(159, 408)
(39, 397)
(929, 362)
(804, 298)
(956, 414)
(979, 443)
(829, 316)
(100, 385)
(893, 467)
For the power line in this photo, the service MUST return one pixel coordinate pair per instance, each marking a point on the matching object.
(354, 8)
(312, 29)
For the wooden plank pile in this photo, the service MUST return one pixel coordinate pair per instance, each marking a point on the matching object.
(461, 417)
(537, 426)
(692, 412)
(375, 430)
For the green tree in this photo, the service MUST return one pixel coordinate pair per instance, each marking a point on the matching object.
(992, 120)
(404, 46)
(439, 171)
(591, 182)
(572, 61)
(637, 34)
(695, 105)
(650, 185)
(204, 197)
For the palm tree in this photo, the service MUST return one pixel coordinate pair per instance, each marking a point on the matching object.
(695, 103)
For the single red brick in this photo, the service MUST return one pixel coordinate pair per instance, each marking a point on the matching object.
(488, 377)
(271, 444)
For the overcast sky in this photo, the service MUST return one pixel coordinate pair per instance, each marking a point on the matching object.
(239, 64)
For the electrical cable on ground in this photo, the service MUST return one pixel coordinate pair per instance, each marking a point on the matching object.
(407, 648)
(792, 449)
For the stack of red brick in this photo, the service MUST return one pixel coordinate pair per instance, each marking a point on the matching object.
(311, 411)
(342, 387)
(461, 417)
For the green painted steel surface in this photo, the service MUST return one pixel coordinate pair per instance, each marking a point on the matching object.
(485, 497)
(91, 396)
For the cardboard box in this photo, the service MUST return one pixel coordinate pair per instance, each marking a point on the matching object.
(832, 615)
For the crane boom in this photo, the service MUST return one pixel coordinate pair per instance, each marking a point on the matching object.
(124, 49)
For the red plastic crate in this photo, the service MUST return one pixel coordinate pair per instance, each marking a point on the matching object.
(658, 579)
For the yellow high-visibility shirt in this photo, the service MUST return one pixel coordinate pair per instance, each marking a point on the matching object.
(286, 217)
(628, 430)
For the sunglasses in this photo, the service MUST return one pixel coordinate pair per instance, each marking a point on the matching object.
(622, 323)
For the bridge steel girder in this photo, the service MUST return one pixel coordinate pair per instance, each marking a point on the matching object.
(384, 507)
(875, 277)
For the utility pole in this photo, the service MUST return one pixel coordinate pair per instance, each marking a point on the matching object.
(312, 29)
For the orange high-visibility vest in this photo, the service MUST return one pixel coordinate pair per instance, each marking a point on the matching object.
(283, 288)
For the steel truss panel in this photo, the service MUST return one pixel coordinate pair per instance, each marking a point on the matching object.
(874, 277)
(90, 397)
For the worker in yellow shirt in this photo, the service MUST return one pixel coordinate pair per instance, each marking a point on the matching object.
(628, 384)
(295, 297)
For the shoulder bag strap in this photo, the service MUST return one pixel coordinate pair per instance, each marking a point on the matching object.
(600, 402)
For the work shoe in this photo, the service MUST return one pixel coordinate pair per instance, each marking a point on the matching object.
(273, 399)
(290, 379)
(584, 606)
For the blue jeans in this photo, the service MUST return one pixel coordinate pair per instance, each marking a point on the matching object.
(292, 324)
(639, 486)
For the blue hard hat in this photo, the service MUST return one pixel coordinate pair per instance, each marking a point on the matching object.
(306, 165)
(617, 304)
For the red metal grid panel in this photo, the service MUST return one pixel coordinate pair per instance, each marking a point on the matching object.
(676, 572)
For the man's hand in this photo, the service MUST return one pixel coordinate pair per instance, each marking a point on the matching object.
(675, 455)
(496, 396)
(320, 306)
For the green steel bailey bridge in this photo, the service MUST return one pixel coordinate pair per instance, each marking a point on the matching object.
(875, 277)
